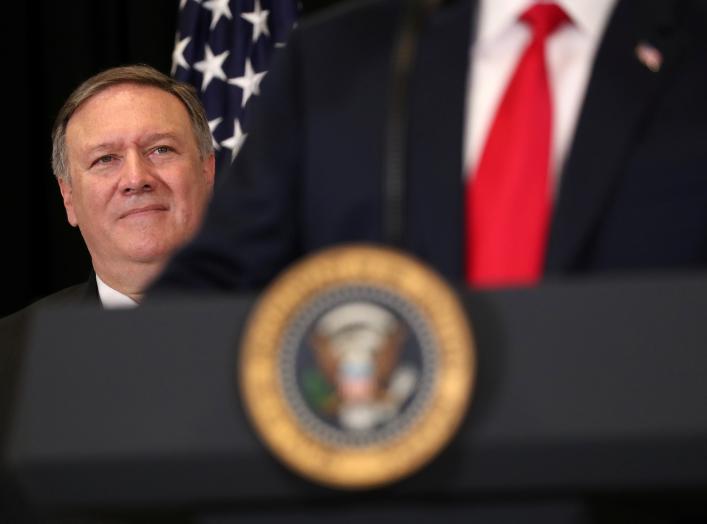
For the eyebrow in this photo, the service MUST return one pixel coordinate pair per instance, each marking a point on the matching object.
(156, 137)
(147, 139)
(105, 146)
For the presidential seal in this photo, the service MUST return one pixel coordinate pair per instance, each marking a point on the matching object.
(357, 366)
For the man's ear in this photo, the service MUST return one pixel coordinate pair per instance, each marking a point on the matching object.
(67, 194)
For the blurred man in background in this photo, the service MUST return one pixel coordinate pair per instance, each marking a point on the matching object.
(543, 139)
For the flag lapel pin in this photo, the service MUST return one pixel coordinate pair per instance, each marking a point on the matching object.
(649, 56)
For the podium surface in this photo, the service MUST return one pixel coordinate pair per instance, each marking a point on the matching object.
(595, 386)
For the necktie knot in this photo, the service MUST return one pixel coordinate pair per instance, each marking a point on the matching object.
(544, 18)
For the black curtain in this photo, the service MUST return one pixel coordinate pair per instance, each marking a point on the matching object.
(50, 48)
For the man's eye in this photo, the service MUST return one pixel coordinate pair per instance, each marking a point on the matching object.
(161, 150)
(103, 160)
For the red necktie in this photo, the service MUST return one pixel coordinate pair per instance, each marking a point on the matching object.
(508, 200)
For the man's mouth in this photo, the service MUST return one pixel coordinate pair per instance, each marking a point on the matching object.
(152, 208)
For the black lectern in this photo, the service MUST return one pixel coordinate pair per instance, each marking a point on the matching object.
(595, 388)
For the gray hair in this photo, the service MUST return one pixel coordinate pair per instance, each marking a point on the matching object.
(132, 74)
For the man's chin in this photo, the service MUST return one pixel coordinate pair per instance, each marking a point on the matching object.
(149, 252)
(150, 257)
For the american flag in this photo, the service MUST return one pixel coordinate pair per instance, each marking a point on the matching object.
(223, 48)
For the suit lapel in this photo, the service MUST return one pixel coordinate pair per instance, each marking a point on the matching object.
(89, 291)
(619, 97)
(438, 94)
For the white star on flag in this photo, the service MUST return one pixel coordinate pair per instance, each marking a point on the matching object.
(236, 141)
(178, 59)
(259, 18)
(211, 66)
(213, 124)
(218, 9)
(249, 82)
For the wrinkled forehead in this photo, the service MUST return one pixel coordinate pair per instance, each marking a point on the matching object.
(125, 113)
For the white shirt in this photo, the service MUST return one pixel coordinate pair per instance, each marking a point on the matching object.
(112, 299)
(500, 41)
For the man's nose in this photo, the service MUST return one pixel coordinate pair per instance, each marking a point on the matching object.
(136, 176)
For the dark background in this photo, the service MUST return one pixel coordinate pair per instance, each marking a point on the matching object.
(49, 48)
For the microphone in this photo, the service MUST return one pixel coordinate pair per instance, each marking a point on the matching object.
(414, 14)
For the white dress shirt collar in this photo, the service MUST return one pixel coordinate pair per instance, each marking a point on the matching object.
(495, 51)
(112, 299)
(496, 16)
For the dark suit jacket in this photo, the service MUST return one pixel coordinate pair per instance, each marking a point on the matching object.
(633, 192)
(14, 332)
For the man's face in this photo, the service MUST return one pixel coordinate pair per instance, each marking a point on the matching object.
(137, 188)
